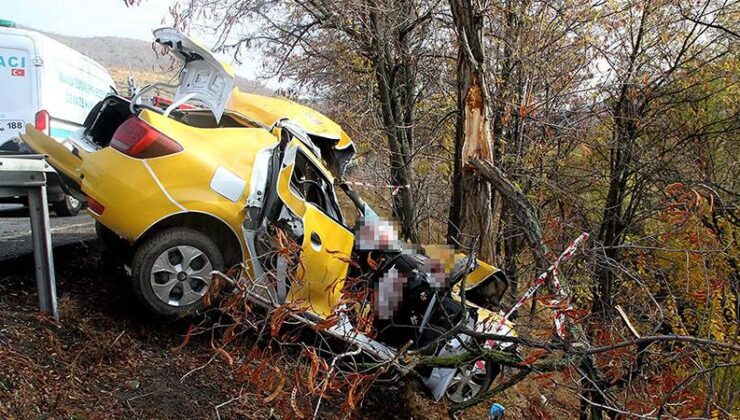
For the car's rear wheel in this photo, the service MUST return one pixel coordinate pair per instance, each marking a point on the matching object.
(171, 271)
(471, 380)
(68, 206)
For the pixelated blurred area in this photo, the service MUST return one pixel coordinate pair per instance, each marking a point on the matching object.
(389, 294)
(441, 261)
(377, 235)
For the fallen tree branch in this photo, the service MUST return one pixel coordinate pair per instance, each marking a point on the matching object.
(546, 365)
(523, 211)
(553, 345)
(657, 338)
(491, 392)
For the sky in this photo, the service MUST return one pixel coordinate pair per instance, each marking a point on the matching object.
(90, 18)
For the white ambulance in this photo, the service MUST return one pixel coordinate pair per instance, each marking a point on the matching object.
(49, 85)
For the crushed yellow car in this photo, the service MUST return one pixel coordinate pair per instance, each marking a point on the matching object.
(182, 193)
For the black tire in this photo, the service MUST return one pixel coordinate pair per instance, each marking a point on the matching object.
(67, 207)
(166, 245)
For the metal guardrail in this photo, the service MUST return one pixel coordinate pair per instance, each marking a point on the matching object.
(25, 176)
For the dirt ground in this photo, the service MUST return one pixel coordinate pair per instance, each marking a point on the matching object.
(106, 358)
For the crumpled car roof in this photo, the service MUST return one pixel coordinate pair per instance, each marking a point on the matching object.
(266, 110)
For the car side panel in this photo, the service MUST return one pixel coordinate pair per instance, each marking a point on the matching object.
(187, 176)
(132, 198)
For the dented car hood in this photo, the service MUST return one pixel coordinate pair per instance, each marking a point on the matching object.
(204, 78)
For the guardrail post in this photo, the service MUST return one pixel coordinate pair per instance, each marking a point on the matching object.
(25, 176)
(41, 233)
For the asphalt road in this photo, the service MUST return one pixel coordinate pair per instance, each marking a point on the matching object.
(15, 230)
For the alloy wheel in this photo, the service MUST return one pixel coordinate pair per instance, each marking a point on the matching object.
(467, 383)
(180, 276)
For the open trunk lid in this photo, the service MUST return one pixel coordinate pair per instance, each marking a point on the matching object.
(204, 78)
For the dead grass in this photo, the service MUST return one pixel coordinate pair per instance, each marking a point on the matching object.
(107, 359)
(101, 359)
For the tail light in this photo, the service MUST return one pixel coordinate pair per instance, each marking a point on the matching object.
(42, 121)
(95, 206)
(138, 139)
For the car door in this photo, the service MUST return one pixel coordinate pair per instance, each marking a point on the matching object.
(306, 188)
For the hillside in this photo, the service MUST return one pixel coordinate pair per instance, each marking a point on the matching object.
(123, 55)
(117, 52)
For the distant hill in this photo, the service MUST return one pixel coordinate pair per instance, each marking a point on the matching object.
(117, 54)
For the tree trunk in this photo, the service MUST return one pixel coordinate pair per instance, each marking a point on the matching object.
(472, 197)
(396, 90)
(626, 115)
(611, 231)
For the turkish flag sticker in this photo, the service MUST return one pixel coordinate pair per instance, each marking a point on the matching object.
(18, 72)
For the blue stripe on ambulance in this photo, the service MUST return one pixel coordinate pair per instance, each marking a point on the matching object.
(60, 132)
